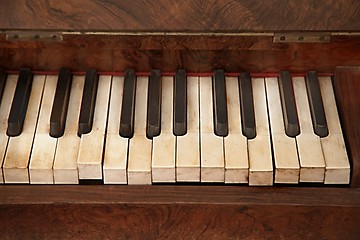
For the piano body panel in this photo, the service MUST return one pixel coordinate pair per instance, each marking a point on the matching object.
(187, 16)
(182, 212)
(199, 36)
(194, 53)
(347, 87)
(169, 221)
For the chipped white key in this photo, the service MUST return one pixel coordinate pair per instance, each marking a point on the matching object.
(5, 107)
(188, 146)
(312, 163)
(337, 169)
(65, 162)
(17, 156)
(116, 148)
(235, 144)
(90, 156)
(139, 159)
(285, 153)
(163, 152)
(260, 158)
(43, 152)
(212, 150)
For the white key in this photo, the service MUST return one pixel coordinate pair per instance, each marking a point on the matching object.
(19, 148)
(67, 150)
(188, 146)
(92, 144)
(212, 151)
(260, 158)
(337, 163)
(285, 153)
(235, 144)
(5, 107)
(309, 146)
(116, 148)
(163, 152)
(139, 160)
(42, 155)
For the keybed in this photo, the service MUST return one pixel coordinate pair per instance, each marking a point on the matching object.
(236, 130)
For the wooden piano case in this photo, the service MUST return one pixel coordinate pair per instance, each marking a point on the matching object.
(199, 36)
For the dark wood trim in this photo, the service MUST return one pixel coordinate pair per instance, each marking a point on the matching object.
(347, 89)
(169, 53)
(228, 195)
(176, 221)
(184, 16)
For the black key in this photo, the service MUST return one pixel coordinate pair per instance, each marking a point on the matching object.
(60, 104)
(291, 121)
(247, 106)
(128, 105)
(88, 102)
(219, 104)
(2, 82)
(154, 105)
(20, 103)
(316, 105)
(180, 103)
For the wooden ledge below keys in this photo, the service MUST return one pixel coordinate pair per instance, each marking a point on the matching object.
(227, 212)
(180, 194)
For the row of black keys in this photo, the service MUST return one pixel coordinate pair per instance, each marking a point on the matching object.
(153, 128)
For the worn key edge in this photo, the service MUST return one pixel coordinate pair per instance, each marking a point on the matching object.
(58, 119)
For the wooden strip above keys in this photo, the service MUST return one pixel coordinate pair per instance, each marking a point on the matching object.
(17, 156)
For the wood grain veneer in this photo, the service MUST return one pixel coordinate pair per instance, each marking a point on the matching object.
(184, 16)
(168, 53)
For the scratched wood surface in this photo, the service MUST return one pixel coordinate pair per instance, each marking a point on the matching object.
(184, 16)
(137, 221)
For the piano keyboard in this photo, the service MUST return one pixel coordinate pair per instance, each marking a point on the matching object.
(165, 129)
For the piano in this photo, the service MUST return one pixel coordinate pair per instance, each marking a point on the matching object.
(193, 119)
